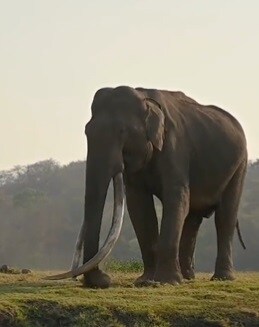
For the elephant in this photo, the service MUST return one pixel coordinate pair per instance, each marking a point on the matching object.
(160, 143)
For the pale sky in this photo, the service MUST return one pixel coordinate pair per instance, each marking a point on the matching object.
(54, 55)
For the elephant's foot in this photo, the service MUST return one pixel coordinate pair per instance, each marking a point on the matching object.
(167, 277)
(223, 275)
(188, 273)
(147, 279)
(96, 279)
(146, 283)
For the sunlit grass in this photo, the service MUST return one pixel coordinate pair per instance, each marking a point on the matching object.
(28, 300)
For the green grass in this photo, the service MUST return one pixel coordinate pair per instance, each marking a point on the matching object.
(28, 300)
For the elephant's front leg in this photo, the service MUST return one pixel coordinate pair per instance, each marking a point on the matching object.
(175, 210)
(143, 216)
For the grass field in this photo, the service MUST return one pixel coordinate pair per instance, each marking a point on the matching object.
(27, 300)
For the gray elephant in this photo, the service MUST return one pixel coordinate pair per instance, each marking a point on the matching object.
(192, 157)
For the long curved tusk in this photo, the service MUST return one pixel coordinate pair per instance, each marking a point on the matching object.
(78, 247)
(114, 233)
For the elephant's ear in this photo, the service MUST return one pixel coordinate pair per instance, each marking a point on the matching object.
(99, 97)
(155, 123)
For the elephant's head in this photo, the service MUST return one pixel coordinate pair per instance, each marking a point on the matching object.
(125, 128)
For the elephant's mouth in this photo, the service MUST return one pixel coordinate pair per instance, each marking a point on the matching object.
(113, 235)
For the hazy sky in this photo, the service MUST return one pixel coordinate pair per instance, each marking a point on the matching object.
(54, 54)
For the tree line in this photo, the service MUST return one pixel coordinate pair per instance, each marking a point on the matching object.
(41, 211)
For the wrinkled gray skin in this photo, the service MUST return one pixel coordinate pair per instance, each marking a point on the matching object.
(192, 157)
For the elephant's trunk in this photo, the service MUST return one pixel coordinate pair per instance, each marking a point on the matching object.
(90, 229)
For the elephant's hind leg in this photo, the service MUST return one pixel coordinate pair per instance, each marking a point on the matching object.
(187, 245)
(143, 217)
(226, 220)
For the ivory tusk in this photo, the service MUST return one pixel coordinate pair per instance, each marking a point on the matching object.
(114, 233)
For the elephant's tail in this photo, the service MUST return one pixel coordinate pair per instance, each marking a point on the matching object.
(240, 236)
